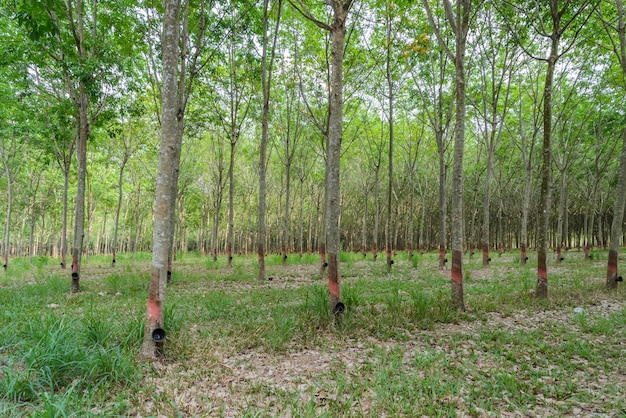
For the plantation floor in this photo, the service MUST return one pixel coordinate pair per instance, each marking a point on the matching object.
(239, 347)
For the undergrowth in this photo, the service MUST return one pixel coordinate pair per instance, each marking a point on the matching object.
(63, 355)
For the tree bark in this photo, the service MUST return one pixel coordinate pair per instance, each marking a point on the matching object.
(618, 206)
(546, 176)
(169, 160)
(7, 224)
(119, 204)
(457, 176)
(443, 209)
(81, 164)
(376, 215)
(265, 87)
(335, 133)
(231, 200)
(64, 161)
(459, 23)
(390, 88)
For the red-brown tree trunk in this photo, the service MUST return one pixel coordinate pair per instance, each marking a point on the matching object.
(543, 215)
(618, 207)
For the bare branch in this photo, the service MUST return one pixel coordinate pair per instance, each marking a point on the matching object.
(304, 11)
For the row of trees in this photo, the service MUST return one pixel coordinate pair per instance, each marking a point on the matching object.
(240, 117)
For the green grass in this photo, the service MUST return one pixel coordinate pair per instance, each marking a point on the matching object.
(239, 346)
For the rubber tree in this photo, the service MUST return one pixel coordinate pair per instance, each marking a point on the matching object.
(266, 87)
(438, 105)
(16, 130)
(233, 102)
(181, 60)
(317, 103)
(374, 147)
(72, 27)
(304, 165)
(337, 29)
(13, 157)
(571, 119)
(290, 132)
(458, 19)
(126, 151)
(525, 139)
(64, 145)
(619, 49)
(73, 47)
(491, 105)
(561, 18)
(411, 149)
(396, 47)
(169, 156)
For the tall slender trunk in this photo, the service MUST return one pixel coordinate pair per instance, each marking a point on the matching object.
(285, 234)
(561, 215)
(388, 226)
(118, 209)
(364, 224)
(376, 216)
(261, 234)
(81, 164)
(459, 23)
(546, 176)
(618, 207)
(486, 207)
(457, 179)
(412, 215)
(231, 201)
(333, 236)
(91, 208)
(443, 210)
(7, 224)
(618, 219)
(322, 224)
(66, 182)
(266, 76)
(301, 217)
(169, 160)
(422, 223)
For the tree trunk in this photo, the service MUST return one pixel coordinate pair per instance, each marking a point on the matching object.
(333, 237)
(390, 87)
(376, 216)
(7, 224)
(561, 215)
(285, 234)
(422, 223)
(81, 164)
(486, 207)
(412, 216)
(459, 23)
(457, 178)
(443, 210)
(119, 207)
(265, 87)
(301, 220)
(169, 160)
(546, 176)
(231, 200)
(618, 207)
(66, 181)
(322, 224)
